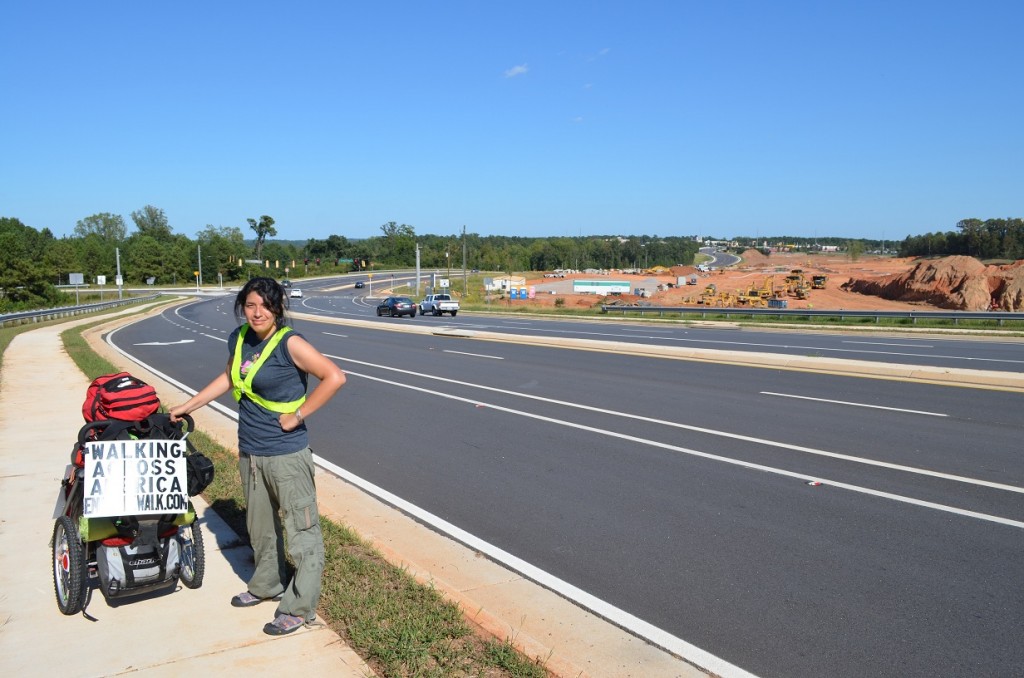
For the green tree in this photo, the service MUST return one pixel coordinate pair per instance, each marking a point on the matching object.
(60, 259)
(24, 282)
(263, 228)
(854, 249)
(146, 257)
(96, 256)
(152, 222)
(222, 248)
(107, 226)
(399, 245)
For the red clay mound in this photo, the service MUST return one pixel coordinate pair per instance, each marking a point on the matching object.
(961, 283)
(753, 257)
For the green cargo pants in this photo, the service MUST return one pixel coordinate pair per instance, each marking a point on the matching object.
(284, 483)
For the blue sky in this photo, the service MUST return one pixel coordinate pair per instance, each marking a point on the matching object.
(852, 119)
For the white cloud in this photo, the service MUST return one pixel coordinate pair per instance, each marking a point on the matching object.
(516, 70)
(577, 120)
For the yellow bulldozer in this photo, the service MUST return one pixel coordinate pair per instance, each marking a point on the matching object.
(819, 281)
(709, 295)
(797, 285)
(751, 297)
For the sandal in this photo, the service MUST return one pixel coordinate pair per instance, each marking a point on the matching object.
(246, 599)
(284, 624)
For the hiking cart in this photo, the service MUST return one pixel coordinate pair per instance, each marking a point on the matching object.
(123, 518)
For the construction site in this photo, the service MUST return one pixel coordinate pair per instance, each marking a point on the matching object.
(767, 293)
(783, 280)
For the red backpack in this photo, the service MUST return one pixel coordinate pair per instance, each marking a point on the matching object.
(119, 396)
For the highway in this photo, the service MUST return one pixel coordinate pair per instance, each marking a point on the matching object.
(790, 523)
(960, 352)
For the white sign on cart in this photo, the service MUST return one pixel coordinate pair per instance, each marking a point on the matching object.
(134, 477)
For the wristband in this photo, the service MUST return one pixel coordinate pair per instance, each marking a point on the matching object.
(298, 415)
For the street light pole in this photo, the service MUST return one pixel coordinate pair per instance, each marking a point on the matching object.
(417, 269)
(119, 280)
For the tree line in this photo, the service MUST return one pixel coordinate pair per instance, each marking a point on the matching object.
(35, 265)
(989, 239)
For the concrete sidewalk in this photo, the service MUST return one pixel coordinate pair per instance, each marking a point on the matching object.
(164, 634)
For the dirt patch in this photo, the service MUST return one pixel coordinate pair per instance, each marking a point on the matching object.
(960, 283)
(755, 270)
(870, 283)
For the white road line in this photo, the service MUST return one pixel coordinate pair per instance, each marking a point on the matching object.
(706, 455)
(167, 343)
(754, 344)
(343, 336)
(476, 355)
(844, 402)
(605, 610)
(699, 429)
(880, 343)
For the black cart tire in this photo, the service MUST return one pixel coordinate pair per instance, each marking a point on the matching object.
(69, 572)
(453, 313)
(192, 555)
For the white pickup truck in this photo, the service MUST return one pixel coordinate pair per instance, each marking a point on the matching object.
(439, 304)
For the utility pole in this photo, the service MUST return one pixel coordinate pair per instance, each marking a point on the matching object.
(465, 279)
(417, 269)
(120, 291)
(199, 253)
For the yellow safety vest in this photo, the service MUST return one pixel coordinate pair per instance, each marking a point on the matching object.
(244, 386)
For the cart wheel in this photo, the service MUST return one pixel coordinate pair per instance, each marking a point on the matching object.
(193, 559)
(69, 573)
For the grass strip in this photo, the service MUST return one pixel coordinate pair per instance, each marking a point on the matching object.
(400, 627)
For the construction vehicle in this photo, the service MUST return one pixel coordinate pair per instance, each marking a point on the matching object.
(726, 300)
(797, 285)
(751, 297)
(709, 295)
(818, 281)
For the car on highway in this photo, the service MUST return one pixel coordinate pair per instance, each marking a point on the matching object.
(359, 285)
(399, 306)
(295, 293)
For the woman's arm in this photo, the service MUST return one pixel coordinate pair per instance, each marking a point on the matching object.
(220, 385)
(313, 362)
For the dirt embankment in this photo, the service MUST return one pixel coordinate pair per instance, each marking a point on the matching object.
(960, 283)
(869, 283)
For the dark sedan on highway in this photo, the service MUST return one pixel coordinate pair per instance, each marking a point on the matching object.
(399, 306)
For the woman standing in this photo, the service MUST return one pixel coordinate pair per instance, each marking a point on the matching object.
(267, 370)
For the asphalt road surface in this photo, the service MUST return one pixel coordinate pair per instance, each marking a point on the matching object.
(793, 524)
(978, 353)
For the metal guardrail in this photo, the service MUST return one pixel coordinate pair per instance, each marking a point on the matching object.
(26, 317)
(956, 316)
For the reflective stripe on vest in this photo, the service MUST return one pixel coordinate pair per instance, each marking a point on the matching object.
(244, 386)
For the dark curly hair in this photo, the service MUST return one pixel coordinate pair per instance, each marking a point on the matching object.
(272, 294)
